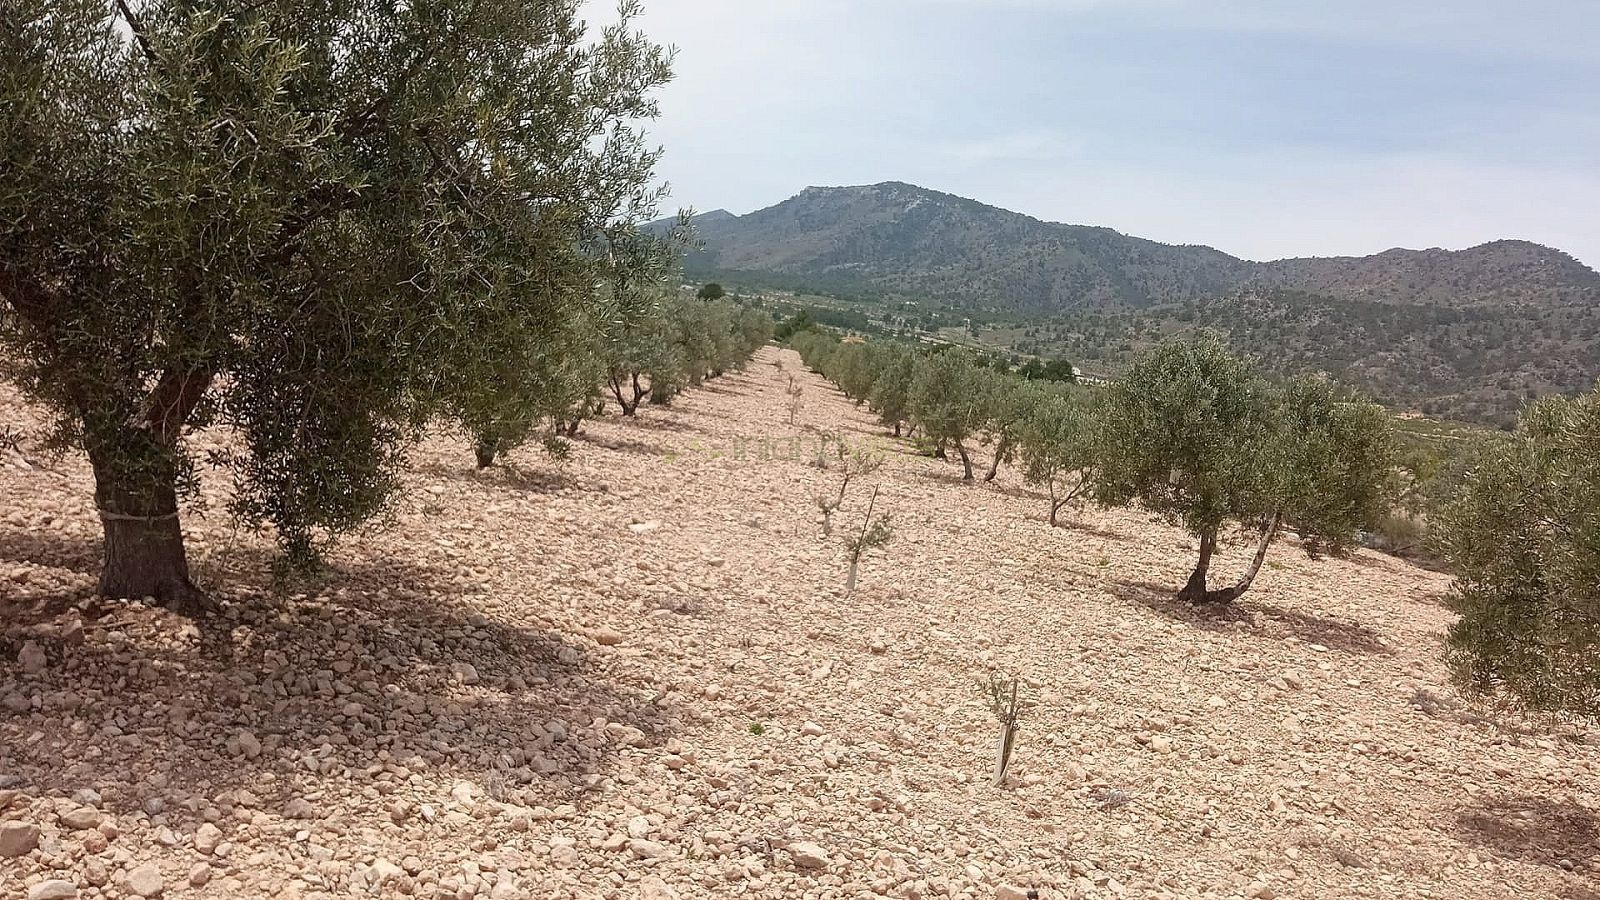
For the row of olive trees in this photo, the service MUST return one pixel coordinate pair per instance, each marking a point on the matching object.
(1196, 434)
(666, 343)
(1192, 433)
(320, 224)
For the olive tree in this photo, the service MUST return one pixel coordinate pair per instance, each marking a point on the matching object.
(288, 217)
(537, 383)
(855, 369)
(815, 347)
(1521, 529)
(1007, 401)
(635, 349)
(891, 389)
(1057, 440)
(947, 400)
(1195, 434)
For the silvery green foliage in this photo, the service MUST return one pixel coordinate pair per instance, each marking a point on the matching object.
(1058, 442)
(948, 400)
(1195, 434)
(304, 219)
(1522, 531)
(890, 397)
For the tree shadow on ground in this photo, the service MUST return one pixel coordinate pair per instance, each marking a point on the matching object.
(376, 661)
(1445, 708)
(1391, 561)
(656, 418)
(944, 477)
(1163, 599)
(56, 571)
(1065, 523)
(874, 434)
(629, 445)
(722, 387)
(1254, 615)
(1334, 634)
(503, 475)
(714, 413)
(1532, 829)
(1018, 492)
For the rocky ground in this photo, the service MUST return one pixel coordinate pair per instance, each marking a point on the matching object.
(636, 674)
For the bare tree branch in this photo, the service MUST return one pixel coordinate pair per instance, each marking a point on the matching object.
(139, 33)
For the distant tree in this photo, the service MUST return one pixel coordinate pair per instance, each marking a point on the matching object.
(297, 220)
(551, 382)
(891, 390)
(1193, 433)
(1521, 529)
(795, 324)
(711, 291)
(1058, 441)
(815, 347)
(854, 368)
(1059, 370)
(947, 400)
(1006, 404)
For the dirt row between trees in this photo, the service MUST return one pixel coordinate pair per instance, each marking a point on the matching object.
(635, 675)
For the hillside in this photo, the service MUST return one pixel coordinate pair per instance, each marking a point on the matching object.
(1468, 333)
(634, 675)
(901, 240)
(1476, 363)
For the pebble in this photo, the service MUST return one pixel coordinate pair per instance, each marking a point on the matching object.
(207, 837)
(807, 855)
(299, 808)
(82, 818)
(31, 659)
(644, 849)
(18, 838)
(247, 745)
(53, 889)
(651, 887)
(639, 827)
(607, 636)
(145, 881)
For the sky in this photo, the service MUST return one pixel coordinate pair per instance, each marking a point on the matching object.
(1265, 128)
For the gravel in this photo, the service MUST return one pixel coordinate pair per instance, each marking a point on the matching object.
(504, 690)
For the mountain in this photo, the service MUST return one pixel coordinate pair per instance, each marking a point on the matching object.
(900, 240)
(1471, 334)
(1499, 272)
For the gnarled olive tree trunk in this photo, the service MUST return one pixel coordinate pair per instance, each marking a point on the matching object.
(966, 461)
(620, 383)
(1001, 448)
(486, 449)
(1195, 591)
(135, 492)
